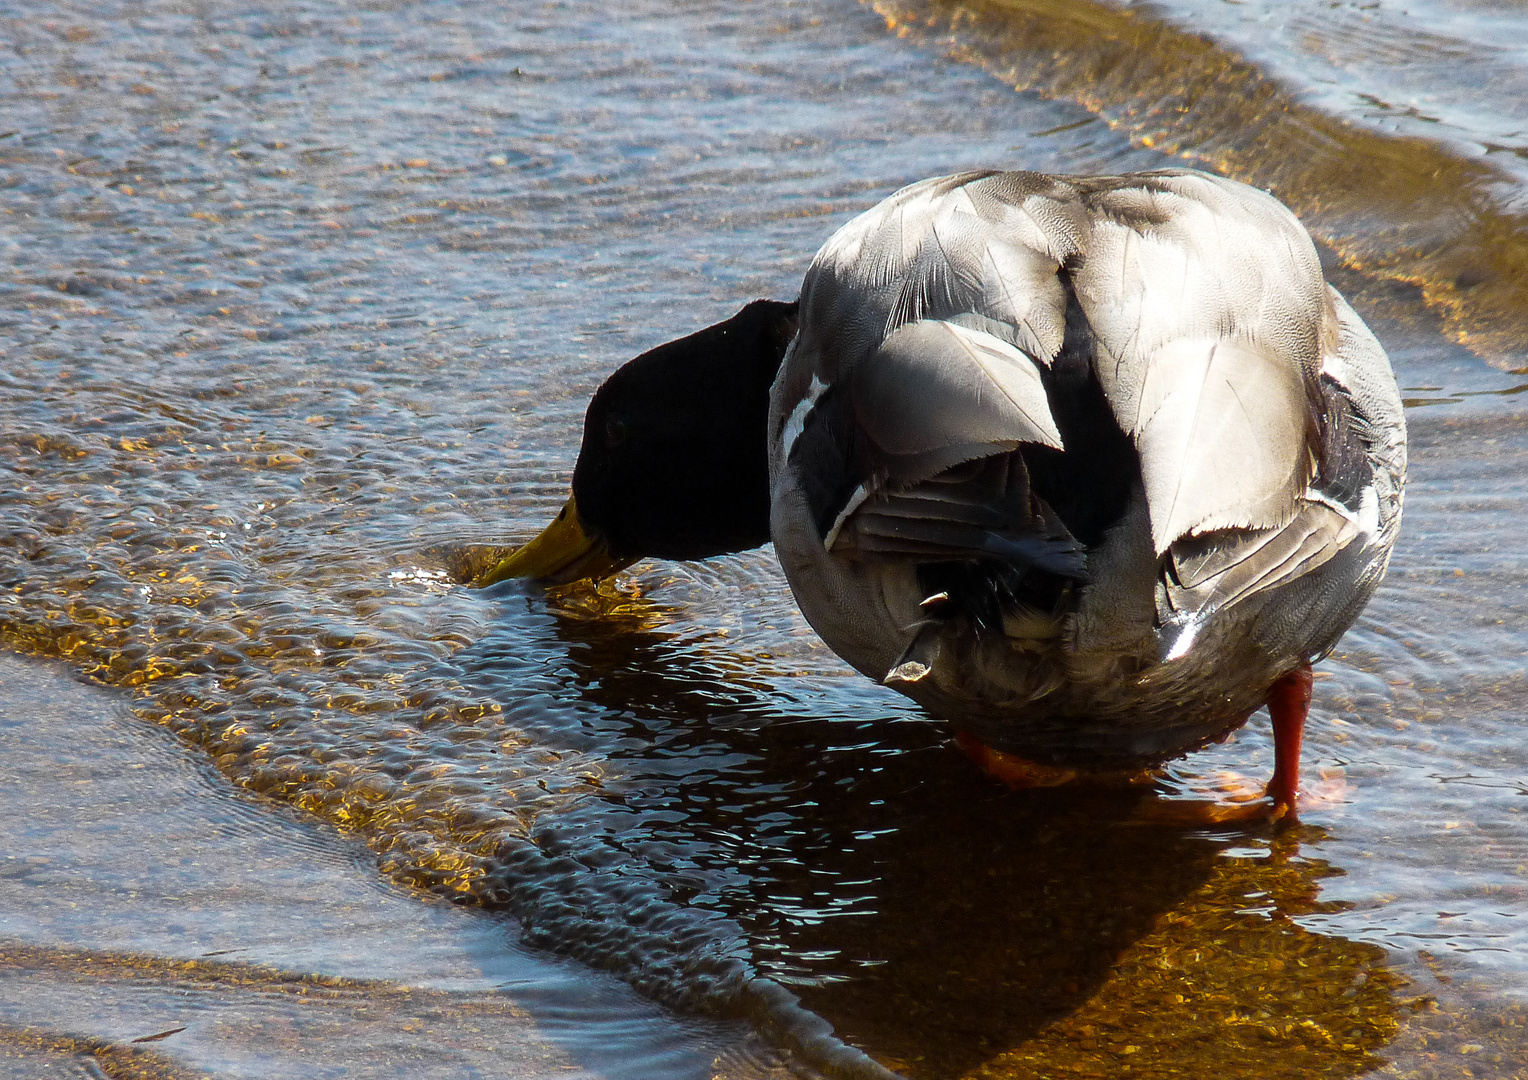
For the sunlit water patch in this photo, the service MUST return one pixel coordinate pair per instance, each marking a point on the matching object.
(303, 309)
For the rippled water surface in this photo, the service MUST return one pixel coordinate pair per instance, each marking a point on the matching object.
(158, 923)
(302, 305)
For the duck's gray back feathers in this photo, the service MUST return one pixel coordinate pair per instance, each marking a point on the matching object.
(1009, 370)
(1208, 311)
(978, 248)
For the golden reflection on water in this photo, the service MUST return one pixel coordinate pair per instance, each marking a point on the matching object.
(1232, 987)
(1084, 949)
(68, 1053)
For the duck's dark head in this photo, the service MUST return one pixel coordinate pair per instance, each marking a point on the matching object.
(674, 462)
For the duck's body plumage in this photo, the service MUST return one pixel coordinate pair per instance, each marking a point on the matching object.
(1091, 467)
(1083, 465)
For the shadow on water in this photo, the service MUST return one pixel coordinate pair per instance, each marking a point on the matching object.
(942, 924)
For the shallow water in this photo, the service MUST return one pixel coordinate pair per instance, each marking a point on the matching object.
(303, 306)
(141, 895)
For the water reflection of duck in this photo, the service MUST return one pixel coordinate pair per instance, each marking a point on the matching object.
(1089, 467)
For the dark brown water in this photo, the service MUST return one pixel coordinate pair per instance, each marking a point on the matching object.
(303, 303)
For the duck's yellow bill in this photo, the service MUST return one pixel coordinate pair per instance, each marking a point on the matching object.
(563, 552)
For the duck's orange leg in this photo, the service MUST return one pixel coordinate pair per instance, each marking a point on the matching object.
(1288, 705)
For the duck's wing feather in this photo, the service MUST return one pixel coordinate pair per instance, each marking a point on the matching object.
(936, 394)
(1360, 372)
(1351, 505)
(983, 510)
(1216, 570)
(926, 428)
(1209, 315)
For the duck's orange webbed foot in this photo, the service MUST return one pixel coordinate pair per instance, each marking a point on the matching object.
(1020, 772)
(1015, 771)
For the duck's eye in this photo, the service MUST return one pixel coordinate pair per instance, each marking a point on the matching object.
(615, 431)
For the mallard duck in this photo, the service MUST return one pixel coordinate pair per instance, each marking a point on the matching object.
(1089, 467)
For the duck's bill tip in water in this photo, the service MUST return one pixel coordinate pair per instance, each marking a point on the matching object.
(564, 551)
